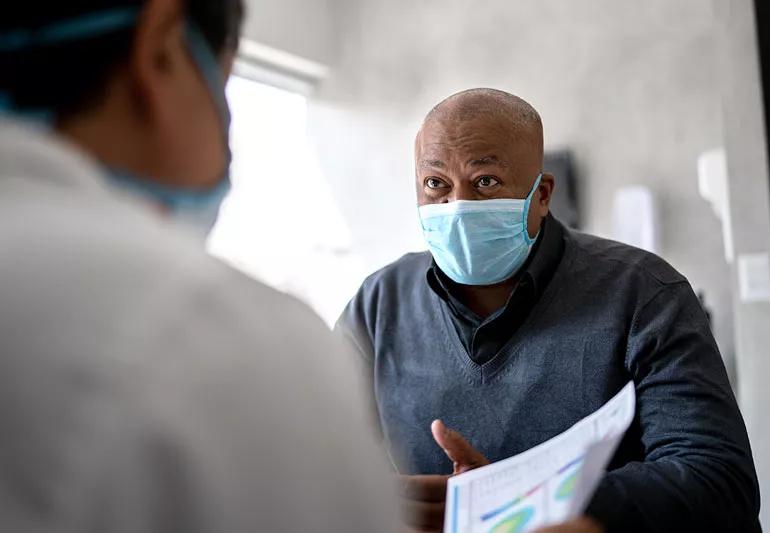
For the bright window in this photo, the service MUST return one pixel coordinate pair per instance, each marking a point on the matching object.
(280, 224)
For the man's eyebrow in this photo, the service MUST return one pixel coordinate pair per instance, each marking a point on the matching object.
(432, 163)
(486, 161)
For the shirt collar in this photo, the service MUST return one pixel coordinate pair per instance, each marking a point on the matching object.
(544, 260)
(538, 269)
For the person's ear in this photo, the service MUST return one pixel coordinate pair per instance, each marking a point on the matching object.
(157, 52)
(545, 193)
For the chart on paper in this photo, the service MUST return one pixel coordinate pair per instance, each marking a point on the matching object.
(547, 484)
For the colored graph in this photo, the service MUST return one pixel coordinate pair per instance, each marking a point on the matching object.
(566, 487)
(513, 503)
(515, 523)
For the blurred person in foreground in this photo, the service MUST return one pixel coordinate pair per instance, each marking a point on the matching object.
(145, 387)
(513, 327)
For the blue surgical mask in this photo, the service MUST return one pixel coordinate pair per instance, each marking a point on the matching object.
(195, 207)
(479, 242)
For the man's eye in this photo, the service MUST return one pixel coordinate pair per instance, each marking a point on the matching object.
(435, 183)
(487, 181)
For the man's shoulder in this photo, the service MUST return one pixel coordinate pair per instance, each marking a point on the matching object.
(405, 273)
(397, 285)
(608, 256)
(120, 252)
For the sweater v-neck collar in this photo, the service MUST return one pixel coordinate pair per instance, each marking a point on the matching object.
(486, 371)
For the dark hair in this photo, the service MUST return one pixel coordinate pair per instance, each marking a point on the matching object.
(69, 77)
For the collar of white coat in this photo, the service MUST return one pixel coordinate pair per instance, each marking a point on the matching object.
(28, 151)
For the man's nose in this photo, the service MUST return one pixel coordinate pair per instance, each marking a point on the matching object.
(464, 191)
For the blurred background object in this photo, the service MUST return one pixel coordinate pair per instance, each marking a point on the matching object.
(714, 188)
(565, 204)
(635, 218)
(634, 97)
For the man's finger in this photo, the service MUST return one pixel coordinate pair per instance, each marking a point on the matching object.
(464, 456)
(424, 488)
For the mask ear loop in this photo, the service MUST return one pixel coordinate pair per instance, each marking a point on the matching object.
(209, 68)
(525, 214)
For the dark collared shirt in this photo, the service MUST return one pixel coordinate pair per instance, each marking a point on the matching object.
(483, 338)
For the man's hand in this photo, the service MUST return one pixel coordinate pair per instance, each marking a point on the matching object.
(464, 456)
(424, 497)
(581, 525)
(423, 501)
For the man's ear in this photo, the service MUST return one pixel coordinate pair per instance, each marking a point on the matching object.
(545, 193)
(157, 48)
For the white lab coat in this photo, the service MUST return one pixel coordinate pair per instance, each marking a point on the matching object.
(146, 387)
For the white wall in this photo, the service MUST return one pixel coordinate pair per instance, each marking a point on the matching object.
(750, 205)
(631, 87)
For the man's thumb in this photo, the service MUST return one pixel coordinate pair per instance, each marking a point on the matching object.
(464, 456)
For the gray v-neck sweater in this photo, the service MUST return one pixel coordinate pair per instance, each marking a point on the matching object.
(610, 314)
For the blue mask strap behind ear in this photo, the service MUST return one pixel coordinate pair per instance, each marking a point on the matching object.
(527, 205)
(210, 69)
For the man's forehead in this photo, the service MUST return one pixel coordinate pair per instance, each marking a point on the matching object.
(473, 148)
(442, 160)
(473, 139)
(480, 132)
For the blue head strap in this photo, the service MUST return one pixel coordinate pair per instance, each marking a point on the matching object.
(64, 31)
(103, 23)
(74, 29)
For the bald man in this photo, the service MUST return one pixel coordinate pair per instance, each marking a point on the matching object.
(513, 327)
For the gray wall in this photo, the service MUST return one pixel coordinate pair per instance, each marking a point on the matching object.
(750, 205)
(636, 89)
(632, 87)
(306, 28)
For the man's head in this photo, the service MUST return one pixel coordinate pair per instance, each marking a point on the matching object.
(131, 95)
(482, 144)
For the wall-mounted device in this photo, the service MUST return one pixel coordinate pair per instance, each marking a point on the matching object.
(713, 187)
(635, 218)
